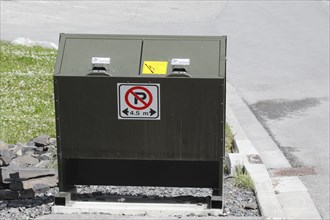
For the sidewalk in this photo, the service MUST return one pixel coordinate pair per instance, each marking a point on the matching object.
(280, 197)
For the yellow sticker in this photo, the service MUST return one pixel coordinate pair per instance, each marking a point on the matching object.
(154, 67)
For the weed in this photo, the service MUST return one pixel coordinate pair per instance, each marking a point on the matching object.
(229, 143)
(52, 163)
(243, 179)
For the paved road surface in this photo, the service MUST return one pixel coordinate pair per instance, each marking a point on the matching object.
(278, 58)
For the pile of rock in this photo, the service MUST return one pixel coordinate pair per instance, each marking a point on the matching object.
(27, 169)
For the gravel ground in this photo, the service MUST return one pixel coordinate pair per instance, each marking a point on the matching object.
(238, 201)
(28, 208)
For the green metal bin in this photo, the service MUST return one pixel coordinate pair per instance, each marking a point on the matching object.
(141, 111)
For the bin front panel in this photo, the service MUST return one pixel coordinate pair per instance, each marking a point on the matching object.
(78, 53)
(191, 124)
(173, 173)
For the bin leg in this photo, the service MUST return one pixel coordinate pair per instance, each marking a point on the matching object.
(216, 200)
(62, 176)
(62, 198)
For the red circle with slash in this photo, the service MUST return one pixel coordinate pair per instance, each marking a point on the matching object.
(131, 91)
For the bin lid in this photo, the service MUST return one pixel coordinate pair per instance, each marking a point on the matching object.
(141, 56)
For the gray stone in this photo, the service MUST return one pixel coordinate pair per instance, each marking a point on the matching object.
(38, 185)
(43, 157)
(42, 164)
(19, 152)
(31, 143)
(251, 205)
(3, 146)
(8, 194)
(39, 150)
(211, 214)
(18, 146)
(29, 149)
(46, 156)
(10, 146)
(121, 200)
(202, 215)
(3, 204)
(27, 173)
(3, 185)
(25, 161)
(25, 147)
(52, 141)
(6, 157)
(27, 194)
(32, 215)
(97, 193)
(41, 140)
(52, 149)
(191, 215)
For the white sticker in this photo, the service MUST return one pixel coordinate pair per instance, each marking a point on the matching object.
(177, 61)
(138, 101)
(100, 60)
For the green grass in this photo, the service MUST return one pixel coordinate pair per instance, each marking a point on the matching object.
(229, 140)
(243, 179)
(26, 92)
(52, 164)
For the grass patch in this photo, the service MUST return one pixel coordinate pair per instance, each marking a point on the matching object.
(229, 140)
(26, 92)
(52, 163)
(243, 179)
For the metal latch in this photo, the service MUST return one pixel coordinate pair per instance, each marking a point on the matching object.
(100, 66)
(180, 67)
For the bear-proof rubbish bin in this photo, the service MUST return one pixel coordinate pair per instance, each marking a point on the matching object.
(141, 111)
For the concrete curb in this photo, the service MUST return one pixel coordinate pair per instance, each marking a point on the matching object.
(281, 197)
(268, 203)
(117, 217)
(154, 210)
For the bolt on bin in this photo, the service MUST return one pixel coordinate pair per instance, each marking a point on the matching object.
(140, 111)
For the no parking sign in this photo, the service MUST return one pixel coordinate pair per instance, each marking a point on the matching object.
(138, 101)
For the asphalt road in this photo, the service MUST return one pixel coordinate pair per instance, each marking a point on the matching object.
(278, 58)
